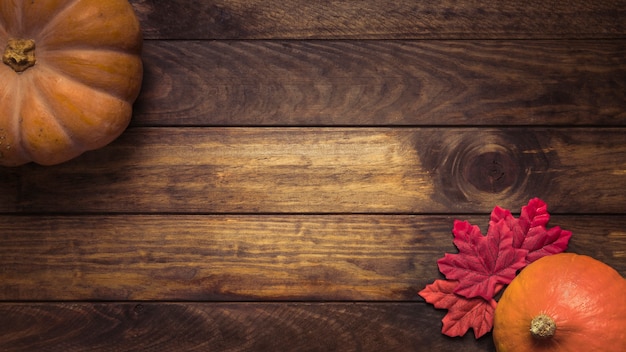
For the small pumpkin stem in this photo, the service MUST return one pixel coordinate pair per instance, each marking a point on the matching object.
(542, 327)
(19, 54)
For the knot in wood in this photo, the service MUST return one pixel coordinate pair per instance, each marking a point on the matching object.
(491, 171)
(483, 167)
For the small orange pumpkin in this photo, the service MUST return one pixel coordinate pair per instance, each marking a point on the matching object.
(71, 71)
(563, 302)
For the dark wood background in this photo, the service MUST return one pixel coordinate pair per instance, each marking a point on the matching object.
(294, 167)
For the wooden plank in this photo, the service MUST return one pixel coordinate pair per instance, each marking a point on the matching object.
(247, 258)
(381, 83)
(374, 19)
(331, 170)
(145, 326)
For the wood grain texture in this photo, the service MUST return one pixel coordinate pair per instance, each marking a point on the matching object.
(293, 170)
(331, 170)
(375, 19)
(247, 258)
(252, 83)
(144, 326)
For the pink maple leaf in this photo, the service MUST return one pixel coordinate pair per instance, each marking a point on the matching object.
(463, 313)
(483, 262)
(530, 232)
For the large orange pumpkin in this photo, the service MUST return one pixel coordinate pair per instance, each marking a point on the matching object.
(563, 302)
(71, 71)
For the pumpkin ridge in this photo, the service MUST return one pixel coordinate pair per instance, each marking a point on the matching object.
(95, 47)
(52, 66)
(84, 117)
(113, 25)
(3, 33)
(31, 149)
(17, 16)
(45, 101)
(56, 17)
(14, 147)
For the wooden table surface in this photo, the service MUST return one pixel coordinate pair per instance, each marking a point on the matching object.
(293, 169)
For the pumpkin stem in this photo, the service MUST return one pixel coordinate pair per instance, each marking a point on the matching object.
(542, 327)
(19, 54)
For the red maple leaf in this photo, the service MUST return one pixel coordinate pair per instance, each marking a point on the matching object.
(463, 313)
(530, 232)
(483, 262)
